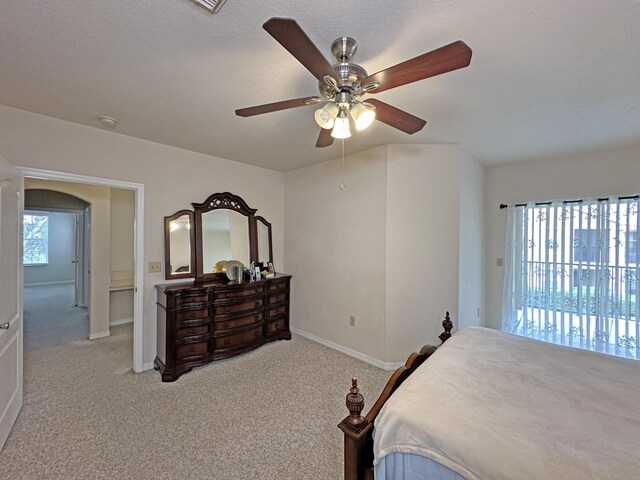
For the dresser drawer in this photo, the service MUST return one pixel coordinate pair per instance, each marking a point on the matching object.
(229, 294)
(192, 331)
(239, 306)
(276, 326)
(191, 298)
(276, 311)
(277, 298)
(236, 322)
(196, 314)
(197, 349)
(278, 285)
(238, 339)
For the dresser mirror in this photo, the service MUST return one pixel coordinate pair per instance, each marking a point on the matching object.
(265, 248)
(179, 245)
(223, 227)
(225, 236)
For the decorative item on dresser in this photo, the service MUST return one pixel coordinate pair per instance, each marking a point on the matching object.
(213, 317)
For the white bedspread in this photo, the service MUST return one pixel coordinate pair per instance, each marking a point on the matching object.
(489, 405)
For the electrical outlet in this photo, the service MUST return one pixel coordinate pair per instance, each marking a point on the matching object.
(352, 321)
(155, 267)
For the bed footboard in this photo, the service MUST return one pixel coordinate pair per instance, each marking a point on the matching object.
(358, 429)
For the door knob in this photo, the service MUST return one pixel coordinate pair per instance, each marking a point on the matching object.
(5, 326)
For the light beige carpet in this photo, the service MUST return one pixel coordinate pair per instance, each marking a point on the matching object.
(268, 414)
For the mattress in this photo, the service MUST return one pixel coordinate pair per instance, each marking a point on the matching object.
(489, 405)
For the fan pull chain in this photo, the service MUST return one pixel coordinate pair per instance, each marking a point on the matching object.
(342, 184)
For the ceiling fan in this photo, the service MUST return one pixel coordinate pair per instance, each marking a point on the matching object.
(342, 84)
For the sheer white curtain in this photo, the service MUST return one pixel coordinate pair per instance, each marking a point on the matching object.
(572, 274)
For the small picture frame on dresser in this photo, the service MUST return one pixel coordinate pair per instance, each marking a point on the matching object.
(270, 268)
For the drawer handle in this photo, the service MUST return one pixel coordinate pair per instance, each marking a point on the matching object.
(192, 315)
(192, 350)
(225, 325)
(256, 317)
(257, 290)
(228, 295)
(192, 331)
(255, 334)
(275, 325)
(225, 343)
(227, 310)
(256, 304)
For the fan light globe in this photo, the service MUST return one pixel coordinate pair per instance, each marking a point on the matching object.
(326, 115)
(341, 126)
(362, 116)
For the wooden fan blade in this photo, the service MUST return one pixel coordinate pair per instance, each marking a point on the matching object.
(445, 59)
(289, 34)
(274, 107)
(396, 118)
(324, 139)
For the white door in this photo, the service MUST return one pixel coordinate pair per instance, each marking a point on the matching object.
(11, 205)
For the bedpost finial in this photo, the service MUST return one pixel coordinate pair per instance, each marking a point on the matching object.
(354, 385)
(447, 324)
(355, 403)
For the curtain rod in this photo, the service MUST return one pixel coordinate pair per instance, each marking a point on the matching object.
(629, 197)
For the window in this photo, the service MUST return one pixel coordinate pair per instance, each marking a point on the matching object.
(572, 274)
(585, 245)
(36, 239)
(632, 246)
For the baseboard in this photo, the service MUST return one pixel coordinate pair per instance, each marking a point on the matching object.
(122, 321)
(95, 336)
(42, 284)
(352, 353)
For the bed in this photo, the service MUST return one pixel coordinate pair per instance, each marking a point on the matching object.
(490, 405)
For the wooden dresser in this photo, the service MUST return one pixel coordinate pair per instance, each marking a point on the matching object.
(206, 321)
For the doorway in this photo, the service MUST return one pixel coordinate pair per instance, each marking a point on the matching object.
(137, 274)
(56, 262)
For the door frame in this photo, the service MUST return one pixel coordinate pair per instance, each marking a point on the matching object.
(138, 244)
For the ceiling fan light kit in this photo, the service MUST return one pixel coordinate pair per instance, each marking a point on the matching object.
(341, 85)
(341, 127)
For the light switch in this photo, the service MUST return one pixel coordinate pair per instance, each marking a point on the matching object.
(499, 262)
(155, 267)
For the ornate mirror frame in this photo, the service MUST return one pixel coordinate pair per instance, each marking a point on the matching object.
(167, 246)
(228, 201)
(268, 225)
(217, 201)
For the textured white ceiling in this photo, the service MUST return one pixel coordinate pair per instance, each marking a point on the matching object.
(546, 77)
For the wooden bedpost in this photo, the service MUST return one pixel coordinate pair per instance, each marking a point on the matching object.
(447, 324)
(356, 429)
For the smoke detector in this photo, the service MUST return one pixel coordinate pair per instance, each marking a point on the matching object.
(213, 6)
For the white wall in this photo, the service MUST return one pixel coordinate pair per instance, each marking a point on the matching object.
(595, 174)
(122, 217)
(335, 245)
(173, 178)
(62, 245)
(385, 249)
(422, 245)
(472, 245)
